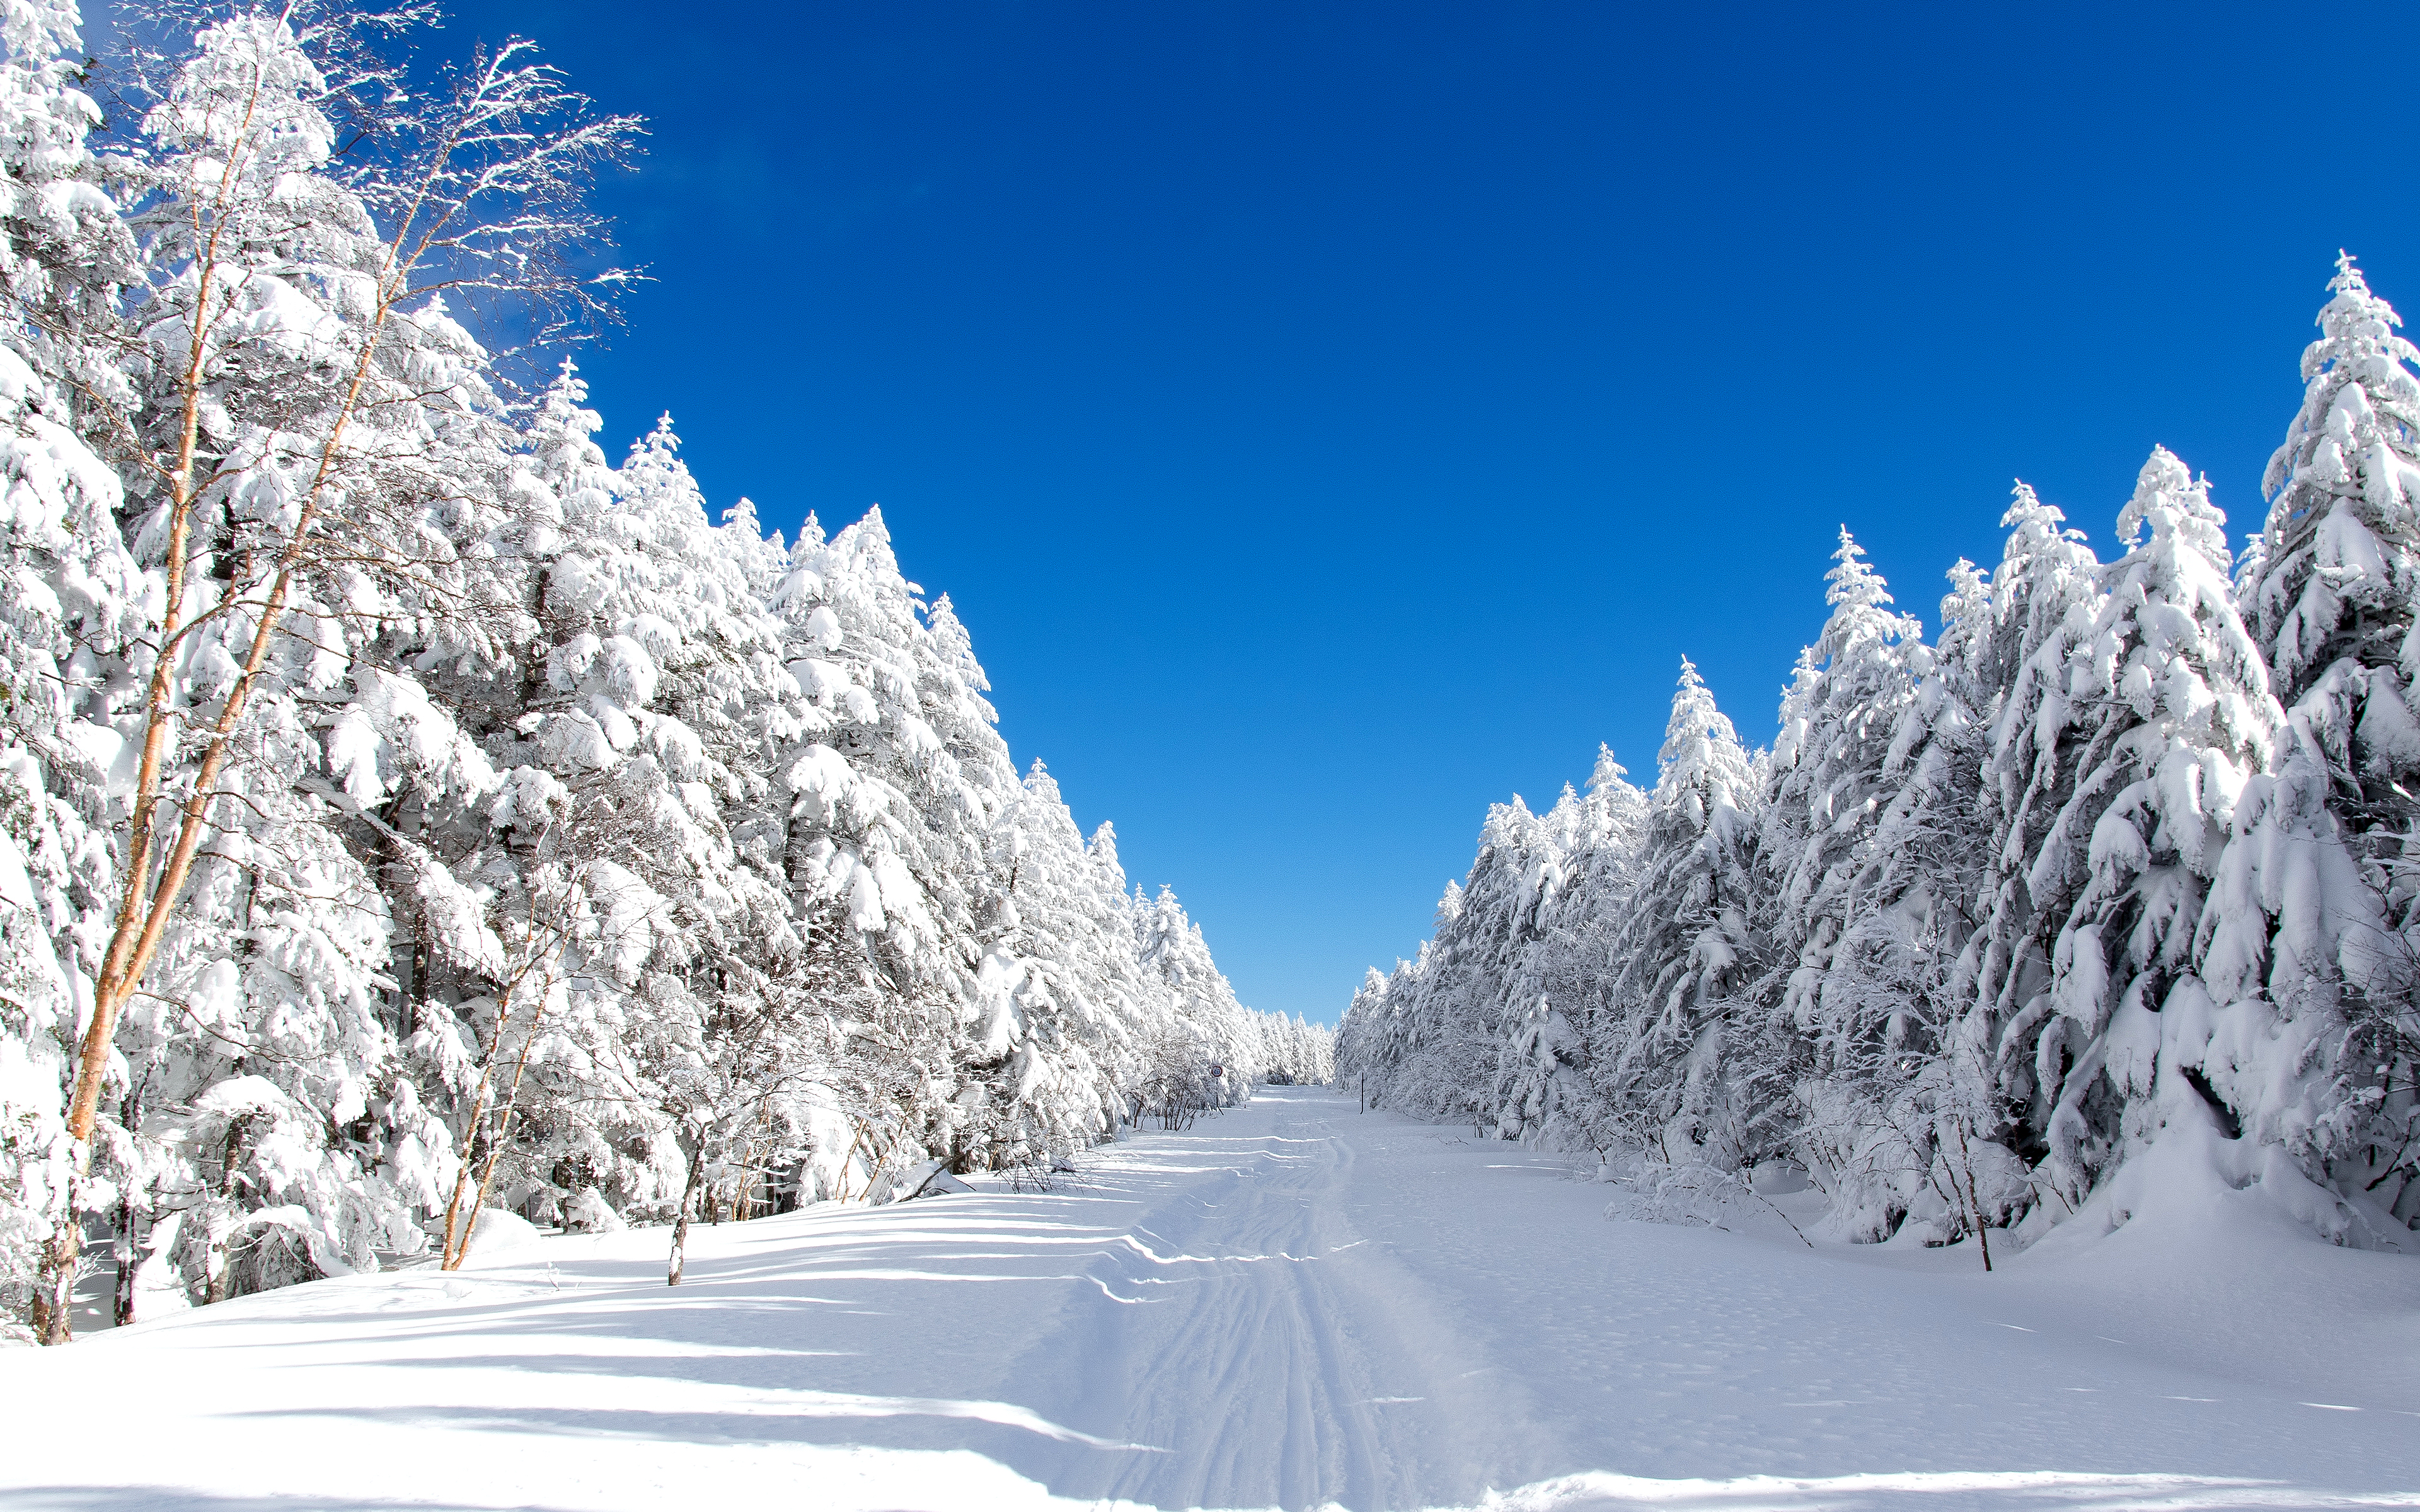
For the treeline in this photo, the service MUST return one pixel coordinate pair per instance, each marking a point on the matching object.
(404, 812)
(2127, 855)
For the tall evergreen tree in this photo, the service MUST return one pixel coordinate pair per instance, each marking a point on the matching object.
(2173, 715)
(1830, 775)
(1687, 950)
(2045, 599)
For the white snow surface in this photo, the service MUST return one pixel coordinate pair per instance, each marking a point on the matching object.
(1290, 1304)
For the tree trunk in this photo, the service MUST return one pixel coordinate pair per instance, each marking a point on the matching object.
(1973, 1200)
(128, 1259)
(54, 1288)
(680, 1225)
(458, 1249)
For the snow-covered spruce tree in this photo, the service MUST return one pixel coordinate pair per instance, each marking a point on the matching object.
(897, 792)
(2340, 574)
(1056, 1023)
(64, 250)
(483, 893)
(1830, 773)
(659, 667)
(1362, 1031)
(1679, 961)
(2045, 600)
(1905, 1118)
(1536, 1048)
(1140, 994)
(1035, 1085)
(2170, 715)
(755, 1101)
(1552, 995)
(1452, 1005)
(1937, 1148)
(1458, 1031)
(1206, 1027)
(1293, 1052)
(67, 605)
(2305, 944)
(1831, 777)
(879, 813)
(1386, 1025)
(1539, 1092)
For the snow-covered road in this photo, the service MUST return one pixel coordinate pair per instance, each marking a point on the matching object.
(1290, 1304)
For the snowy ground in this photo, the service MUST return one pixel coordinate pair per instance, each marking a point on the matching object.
(1290, 1305)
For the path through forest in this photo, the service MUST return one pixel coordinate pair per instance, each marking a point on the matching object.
(1290, 1304)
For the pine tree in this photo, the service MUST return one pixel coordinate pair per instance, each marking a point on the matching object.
(2340, 556)
(1553, 996)
(1830, 775)
(1207, 1026)
(2044, 601)
(2304, 945)
(1055, 1022)
(1686, 950)
(2173, 714)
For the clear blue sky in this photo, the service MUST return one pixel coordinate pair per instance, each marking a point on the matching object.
(1331, 419)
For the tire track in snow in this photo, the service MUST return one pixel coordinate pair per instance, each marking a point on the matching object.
(1295, 1364)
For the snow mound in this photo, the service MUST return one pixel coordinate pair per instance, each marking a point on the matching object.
(589, 1214)
(499, 1233)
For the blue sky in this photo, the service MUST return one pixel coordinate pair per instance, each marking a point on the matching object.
(1332, 419)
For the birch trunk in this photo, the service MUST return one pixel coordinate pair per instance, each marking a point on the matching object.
(680, 1225)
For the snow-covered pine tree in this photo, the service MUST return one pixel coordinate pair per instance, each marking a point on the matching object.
(1206, 1026)
(873, 780)
(1904, 1119)
(2307, 943)
(660, 671)
(1361, 1032)
(1056, 1022)
(2339, 573)
(1454, 1003)
(854, 838)
(2044, 601)
(1679, 963)
(2171, 713)
(1829, 774)
(1141, 995)
(1554, 992)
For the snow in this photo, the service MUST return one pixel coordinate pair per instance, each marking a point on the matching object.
(1290, 1304)
(499, 1233)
